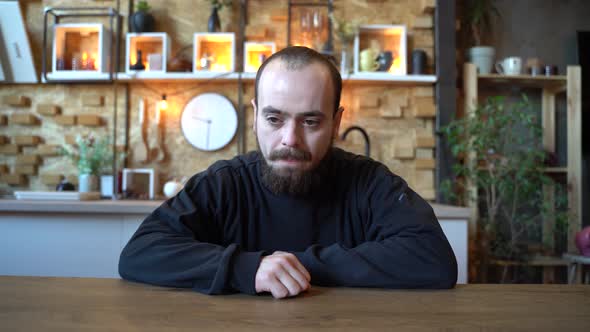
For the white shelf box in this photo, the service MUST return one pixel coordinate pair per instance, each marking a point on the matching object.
(255, 53)
(214, 52)
(385, 38)
(155, 51)
(80, 50)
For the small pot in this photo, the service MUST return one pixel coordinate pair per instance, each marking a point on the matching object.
(142, 21)
(87, 183)
(482, 57)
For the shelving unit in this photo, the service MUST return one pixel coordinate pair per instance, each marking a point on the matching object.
(550, 86)
(246, 76)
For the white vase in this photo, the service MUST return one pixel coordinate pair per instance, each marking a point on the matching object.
(345, 60)
(482, 57)
(106, 185)
(87, 183)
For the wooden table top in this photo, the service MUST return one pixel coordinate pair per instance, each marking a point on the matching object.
(80, 304)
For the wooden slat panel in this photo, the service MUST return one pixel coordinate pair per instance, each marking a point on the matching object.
(49, 110)
(51, 179)
(28, 159)
(27, 140)
(24, 119)
(9, 149)
(66, 120)
(89, 120)
(15, 100)
(14, 179)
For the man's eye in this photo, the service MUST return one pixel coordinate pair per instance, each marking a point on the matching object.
(273, 120)
(311, 123)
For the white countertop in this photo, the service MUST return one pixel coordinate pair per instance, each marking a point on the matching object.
(146, 207)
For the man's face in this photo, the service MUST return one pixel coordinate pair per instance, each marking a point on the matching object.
(294, 122)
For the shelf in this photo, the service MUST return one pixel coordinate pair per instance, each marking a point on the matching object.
(390, 79)
(79, 75)
(556, 170)
(183, 77)
(378, 78)
(558, 82)
(538, 260)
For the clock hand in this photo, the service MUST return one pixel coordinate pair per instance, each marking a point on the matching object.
(208, 126)
(202, 119)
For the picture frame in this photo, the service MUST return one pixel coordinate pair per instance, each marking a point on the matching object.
(139, 183)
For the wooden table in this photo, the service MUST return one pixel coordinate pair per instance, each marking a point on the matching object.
(79, 304)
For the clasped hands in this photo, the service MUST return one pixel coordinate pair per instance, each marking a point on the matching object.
(282, 274)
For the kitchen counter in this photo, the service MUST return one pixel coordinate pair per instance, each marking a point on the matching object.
(146, 206)
(105, 206)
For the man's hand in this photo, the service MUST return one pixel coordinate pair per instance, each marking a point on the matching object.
(281, 274)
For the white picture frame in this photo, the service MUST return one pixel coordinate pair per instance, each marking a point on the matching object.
(129, 182)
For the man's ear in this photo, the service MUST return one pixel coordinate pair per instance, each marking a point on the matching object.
(253, 101)
(337, 119)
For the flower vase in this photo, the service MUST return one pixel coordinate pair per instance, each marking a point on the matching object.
(214, 24)
(345, 59)
(87, 183)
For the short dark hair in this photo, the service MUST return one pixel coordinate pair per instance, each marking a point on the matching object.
(297, 57)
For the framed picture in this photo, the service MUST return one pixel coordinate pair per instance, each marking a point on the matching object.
(381, 50)
(139, 183)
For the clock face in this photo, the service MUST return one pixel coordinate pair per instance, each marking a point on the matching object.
(209, 121)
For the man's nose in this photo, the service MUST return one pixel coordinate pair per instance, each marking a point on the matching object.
(291, 135)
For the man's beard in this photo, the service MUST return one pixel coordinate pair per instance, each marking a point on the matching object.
(292, 181)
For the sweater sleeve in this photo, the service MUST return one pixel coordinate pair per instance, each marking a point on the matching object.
(406, 246)
(178, 245)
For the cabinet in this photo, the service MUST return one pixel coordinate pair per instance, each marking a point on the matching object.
(550, 87)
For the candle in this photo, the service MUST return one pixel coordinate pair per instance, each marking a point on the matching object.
(84, 61)
(157, 116)
(141, 111)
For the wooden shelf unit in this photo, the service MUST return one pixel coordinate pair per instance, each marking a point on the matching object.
(550, 86)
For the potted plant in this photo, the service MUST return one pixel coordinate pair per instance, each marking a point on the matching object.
(503, 166)
(90, 156)
(345, 32)
(214, 24)
(142, 20)
(479, 15)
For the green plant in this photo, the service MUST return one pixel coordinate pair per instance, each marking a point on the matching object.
(91, 156)
(345, 30)
(142, 6)
(479, 15)
(500, 145)
(219, 4)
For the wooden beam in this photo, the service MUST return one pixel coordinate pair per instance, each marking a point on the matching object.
(574, 152)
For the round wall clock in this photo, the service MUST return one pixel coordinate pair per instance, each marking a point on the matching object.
(209, 121)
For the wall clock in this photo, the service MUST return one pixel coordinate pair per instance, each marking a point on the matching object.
(209, 121)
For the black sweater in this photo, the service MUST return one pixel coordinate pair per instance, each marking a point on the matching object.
(365, 227)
